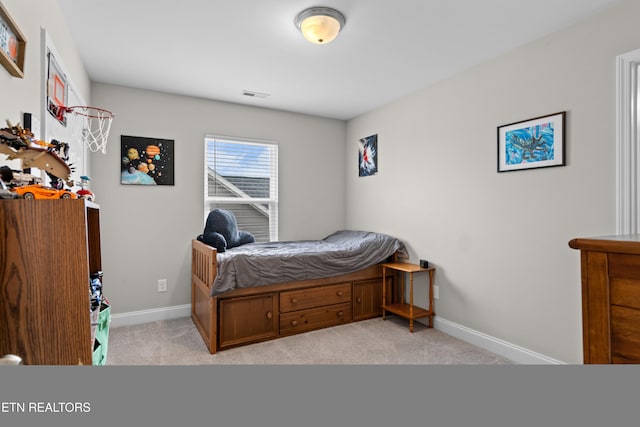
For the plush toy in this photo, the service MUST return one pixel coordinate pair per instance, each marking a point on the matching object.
(221, 231)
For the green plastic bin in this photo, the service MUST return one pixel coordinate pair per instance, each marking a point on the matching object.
(101, 343)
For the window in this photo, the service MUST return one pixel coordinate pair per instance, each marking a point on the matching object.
(241, 175)
(628, 143)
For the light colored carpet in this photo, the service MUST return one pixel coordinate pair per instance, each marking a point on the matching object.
(369, 342)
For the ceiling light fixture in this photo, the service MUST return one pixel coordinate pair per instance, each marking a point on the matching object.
(320, 25)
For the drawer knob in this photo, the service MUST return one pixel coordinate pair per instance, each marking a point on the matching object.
(339, 293)
(294, 322)
(294, 300)
(269, 315)
(359, 300)
(340, 313)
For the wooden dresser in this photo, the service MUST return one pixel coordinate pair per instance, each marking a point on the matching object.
(610, 269)
(48, 248)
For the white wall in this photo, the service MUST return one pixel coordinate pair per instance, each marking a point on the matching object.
(20, 95)
(499, 240)
(147, 231)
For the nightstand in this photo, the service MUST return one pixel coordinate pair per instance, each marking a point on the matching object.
(402, 309)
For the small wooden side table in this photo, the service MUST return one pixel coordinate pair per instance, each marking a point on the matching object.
(408, 311)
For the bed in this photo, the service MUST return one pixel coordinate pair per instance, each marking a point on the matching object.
(262, 291)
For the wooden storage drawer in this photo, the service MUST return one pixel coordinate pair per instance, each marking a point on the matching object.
(247, 319)
(623, 265)
(625, 335)
(625, 292)
(315, 318)
(314, 297)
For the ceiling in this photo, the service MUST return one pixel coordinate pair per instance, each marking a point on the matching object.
(217, 49)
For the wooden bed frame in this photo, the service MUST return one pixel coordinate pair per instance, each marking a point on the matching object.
(245, 316)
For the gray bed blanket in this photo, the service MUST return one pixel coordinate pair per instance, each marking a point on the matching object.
(343, 252)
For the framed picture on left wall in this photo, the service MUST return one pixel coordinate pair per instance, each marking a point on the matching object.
(146, 161)
(12, 44)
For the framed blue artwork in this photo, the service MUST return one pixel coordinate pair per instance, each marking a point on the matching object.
(533, 143)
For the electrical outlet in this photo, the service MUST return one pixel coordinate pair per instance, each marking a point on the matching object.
(436, 292)
(162, 285)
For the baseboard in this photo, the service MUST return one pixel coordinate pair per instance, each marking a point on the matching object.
(152, 315)
(517, 354)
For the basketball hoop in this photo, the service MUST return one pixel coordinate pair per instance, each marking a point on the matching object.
(94, 125)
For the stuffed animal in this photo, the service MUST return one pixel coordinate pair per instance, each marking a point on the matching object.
(221, 231)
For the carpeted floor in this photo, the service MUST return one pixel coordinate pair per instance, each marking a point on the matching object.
(370, 342)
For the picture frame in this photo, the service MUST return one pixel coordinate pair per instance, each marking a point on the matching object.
(12, 44)
(146, 161)
(531, 144)
(368, 156)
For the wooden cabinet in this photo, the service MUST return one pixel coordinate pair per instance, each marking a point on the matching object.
(48, 248)
(610, 271)
(248, 319)
(367, 298)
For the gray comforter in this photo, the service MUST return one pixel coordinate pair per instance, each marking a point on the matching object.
(343, 252)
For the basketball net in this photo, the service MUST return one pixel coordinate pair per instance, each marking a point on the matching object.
(92, 125)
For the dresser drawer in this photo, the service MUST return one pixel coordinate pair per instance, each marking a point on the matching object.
(315, 318)
(315, 297)
(623, 265)
(625, 292)
(625, 335)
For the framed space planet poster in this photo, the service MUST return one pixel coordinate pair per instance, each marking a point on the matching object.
(368, 156)
(146, 161)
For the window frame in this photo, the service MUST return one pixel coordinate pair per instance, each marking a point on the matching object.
(271, 201)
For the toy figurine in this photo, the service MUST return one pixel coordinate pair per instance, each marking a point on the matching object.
(15, 144)
(6, 176)
(84, 192)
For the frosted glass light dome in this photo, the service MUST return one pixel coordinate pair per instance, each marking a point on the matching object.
(320, 25)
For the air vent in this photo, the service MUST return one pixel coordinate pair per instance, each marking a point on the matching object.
(253, 94)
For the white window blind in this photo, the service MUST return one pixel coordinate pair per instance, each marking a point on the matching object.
(241, 175)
